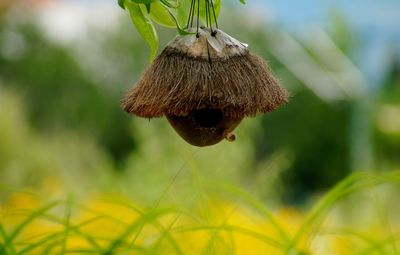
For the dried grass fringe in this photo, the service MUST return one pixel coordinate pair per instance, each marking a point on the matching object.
(176, 84)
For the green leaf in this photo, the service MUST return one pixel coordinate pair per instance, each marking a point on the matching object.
(121, 3)
(143, 1)
(168, 4)
(160, 14)
(180, 30)
(144, 26)
(148, 8)
(182, 12)
(243, 1)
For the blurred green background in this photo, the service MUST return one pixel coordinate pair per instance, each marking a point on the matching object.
(65, 66)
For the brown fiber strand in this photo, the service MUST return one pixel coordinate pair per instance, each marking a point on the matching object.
(176, 84)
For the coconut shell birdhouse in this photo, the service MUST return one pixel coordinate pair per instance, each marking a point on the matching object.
(205, 83)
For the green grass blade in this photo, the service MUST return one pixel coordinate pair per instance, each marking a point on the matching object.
(4, 237)
(4, 246)
(88, 238)
(34, 215)
(137, 225)
(72, 228)
(164, 232)
(258, 206)
(39, 243)
(379, 246)
(2, 250)
(103, 215)
(244, 231)
(350, 185)
(67, 223)
(355, 234)
(215, 234)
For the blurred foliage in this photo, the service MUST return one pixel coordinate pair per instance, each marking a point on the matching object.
(315, 143)
(387, 132)
(58, 95)
(62, 131)
(71, 94)
(30, 159)
(226, 220)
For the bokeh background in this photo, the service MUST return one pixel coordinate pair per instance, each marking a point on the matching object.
(65, 65)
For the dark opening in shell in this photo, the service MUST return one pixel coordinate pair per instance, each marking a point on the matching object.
(208, 118)
(205, 127)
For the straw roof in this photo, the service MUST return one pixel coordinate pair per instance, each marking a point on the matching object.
(205, 71)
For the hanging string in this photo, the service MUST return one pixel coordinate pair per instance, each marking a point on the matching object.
(207, 6)
(190, 18)
(198, 18)
(208, 17)
(215, 15)
(210, 14)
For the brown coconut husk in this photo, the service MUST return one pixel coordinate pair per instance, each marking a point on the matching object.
(206, 71)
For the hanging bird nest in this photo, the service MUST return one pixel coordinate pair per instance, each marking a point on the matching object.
(209, 70)
(205, 84)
